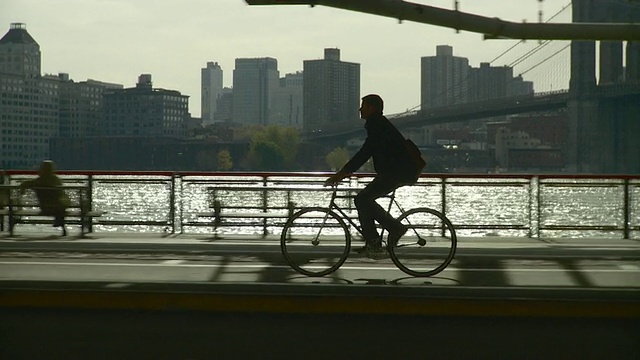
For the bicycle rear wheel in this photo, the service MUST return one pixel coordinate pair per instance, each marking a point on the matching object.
(429, 244)
(315, 241)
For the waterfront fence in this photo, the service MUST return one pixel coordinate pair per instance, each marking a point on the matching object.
(518, 205)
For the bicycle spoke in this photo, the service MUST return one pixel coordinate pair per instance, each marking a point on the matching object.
(429, 244)
(315, 242)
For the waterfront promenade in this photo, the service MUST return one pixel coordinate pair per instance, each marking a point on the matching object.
(193, 296)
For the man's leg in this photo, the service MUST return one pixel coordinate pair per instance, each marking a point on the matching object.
(369, 210)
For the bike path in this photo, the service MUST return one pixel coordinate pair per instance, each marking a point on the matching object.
(164, 243)
(318, 295)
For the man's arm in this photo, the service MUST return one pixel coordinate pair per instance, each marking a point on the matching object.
(25, 185)
(352, 165)
(335, 178)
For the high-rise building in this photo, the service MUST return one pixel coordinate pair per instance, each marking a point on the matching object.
(81, 105)
(444, 78)
(254, 84)
(493, 82)
(287, 103)
(210, 91)
(490, 82)
(145, 111)
(28, 102)
(521, 87)
(20, 54)
(632, 68)
(331, 92)
(224, 107)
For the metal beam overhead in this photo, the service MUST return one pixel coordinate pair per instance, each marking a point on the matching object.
(491, 28)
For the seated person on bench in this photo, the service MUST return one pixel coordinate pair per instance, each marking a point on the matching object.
(52, 200)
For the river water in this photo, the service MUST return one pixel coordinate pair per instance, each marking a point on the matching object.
(476, 206)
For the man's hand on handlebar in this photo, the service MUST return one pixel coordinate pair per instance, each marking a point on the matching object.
(334, 179)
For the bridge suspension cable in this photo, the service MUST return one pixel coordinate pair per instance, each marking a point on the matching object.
(545, 59)
(518, 61)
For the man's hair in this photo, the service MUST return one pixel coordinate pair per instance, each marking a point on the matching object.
(375, 101)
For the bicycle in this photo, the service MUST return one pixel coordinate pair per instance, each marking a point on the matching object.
(316, 241)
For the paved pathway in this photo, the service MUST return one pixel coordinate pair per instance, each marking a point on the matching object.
(192, 297)
(485, 264)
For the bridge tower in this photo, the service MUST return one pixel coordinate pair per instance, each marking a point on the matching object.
(603, 132)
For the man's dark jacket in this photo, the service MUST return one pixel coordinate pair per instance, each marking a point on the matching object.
(387, 147)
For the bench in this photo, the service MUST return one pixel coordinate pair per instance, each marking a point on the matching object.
(218, 214)
(72, 217)
(29, 212)
(241, 215)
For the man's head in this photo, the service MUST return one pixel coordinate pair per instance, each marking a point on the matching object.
(372, 105)
(47, 167)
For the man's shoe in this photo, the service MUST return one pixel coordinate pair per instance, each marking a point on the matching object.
(368, 247)
(367, 244)
(376, 251)
(396, 234)
(361, 250)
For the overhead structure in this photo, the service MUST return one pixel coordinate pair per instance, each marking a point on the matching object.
(491, 28)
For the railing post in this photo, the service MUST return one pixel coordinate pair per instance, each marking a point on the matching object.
(89, 201)
(444, 201)
(538, 203)
(534, 206)
(627, 229)
(265, 205)
(443, 194)
(172, 204)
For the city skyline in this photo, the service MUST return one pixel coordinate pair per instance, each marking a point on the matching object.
(130, 39)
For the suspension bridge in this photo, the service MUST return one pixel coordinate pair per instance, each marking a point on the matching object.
(600, 94)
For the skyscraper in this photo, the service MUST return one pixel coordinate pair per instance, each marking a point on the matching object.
(224, 110)
(28, 102)
(210, 91)
(254, 84)
(444, 78)
(288, 104)
(490, 82)
(145, 111)
(81, 104)
(20, 54)
(331, 91)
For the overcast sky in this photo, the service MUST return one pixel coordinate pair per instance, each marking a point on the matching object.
(117, 40)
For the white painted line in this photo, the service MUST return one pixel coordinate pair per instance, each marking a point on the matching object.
(163, 264)
(629, 267)
(345, 267)
(118, 285)
(173, 262)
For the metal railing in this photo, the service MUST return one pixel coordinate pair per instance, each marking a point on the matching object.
(519, 205)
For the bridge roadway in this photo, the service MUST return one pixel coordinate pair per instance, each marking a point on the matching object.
(194, 297)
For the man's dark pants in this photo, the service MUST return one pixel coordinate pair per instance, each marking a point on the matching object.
(369, 210)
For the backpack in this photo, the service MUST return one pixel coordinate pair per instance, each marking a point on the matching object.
(415, 158)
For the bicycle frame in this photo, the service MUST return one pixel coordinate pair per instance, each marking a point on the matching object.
(330, 257)
(334, 206)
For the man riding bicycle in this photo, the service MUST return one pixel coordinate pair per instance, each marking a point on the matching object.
(393, 166)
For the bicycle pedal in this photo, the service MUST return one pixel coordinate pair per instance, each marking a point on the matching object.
(377, 255)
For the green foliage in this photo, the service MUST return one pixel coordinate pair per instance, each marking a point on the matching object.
(267, 155)
(273, 148)
(337, 158)
(205, 160)
(224, 160)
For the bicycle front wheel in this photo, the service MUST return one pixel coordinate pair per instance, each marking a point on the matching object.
(315, 241)
(429, 244)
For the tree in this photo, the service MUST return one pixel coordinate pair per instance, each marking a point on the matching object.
(337, 158)
(267, 155)
(274, 148)
(205, 160)
(224, 160)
